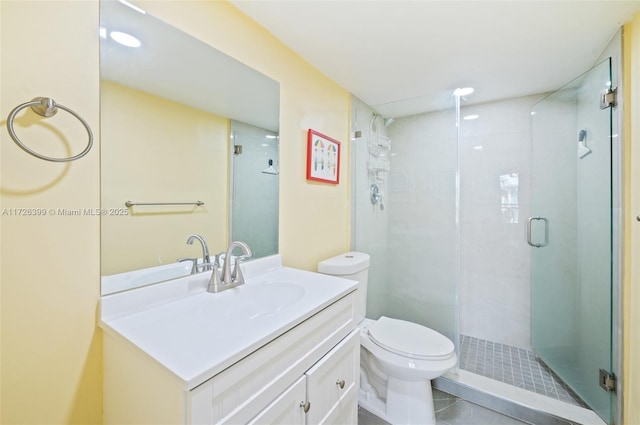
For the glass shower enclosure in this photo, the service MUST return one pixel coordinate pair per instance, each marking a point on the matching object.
(570, 233)
(549, 178)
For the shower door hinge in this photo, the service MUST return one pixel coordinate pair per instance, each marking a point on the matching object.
(608, 381)
(608, 98)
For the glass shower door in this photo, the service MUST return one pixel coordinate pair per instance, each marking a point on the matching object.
(570, 233)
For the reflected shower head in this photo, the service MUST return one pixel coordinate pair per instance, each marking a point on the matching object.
(388, 121)
(270, 169)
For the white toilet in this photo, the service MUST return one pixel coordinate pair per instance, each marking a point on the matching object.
(398, 359)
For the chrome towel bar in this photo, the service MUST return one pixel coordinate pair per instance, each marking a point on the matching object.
(130, 204)
(46, 107)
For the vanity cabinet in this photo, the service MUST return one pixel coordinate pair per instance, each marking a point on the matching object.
(288, 408)
(326, 394)
(314, 362)
(332, 384)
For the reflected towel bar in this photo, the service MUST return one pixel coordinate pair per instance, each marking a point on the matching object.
(131, 204)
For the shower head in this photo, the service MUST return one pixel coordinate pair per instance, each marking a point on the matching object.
(582, 136)
(387, 121)
(583, 150)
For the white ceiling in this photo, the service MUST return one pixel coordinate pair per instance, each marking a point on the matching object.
(401, 57)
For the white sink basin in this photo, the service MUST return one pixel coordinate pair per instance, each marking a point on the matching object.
(196, 334)
(249, 302)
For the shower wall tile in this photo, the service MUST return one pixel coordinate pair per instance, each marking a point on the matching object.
(495, 202)
(422, 224)
(496, 308)
(502, 117)
(369, 223)
(494, 156)
(489, 244)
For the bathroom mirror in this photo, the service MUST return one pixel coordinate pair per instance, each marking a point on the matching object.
(168, 102)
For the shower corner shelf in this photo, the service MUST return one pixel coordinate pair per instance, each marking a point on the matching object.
(378, 164)
(384, 142)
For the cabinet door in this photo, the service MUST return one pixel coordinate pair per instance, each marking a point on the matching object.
(332, 383)
(286, 409)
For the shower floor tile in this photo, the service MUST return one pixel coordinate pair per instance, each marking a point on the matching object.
(450, 410)
(514, 366)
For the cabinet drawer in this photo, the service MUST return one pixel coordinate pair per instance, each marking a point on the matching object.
(239, 393)
(332, 383)
(286, 408)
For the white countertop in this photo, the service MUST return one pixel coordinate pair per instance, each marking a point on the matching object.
(196, 334)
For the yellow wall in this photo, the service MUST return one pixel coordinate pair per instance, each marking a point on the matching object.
(51, 367)
(51, 362)
(631, 290)
(139, 163)
(314, 218)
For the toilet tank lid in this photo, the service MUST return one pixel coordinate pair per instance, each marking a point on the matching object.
(344, 264)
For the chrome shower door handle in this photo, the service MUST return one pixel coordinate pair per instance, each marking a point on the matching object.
(546, 232)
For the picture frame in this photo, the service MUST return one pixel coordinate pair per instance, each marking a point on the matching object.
(323, 158)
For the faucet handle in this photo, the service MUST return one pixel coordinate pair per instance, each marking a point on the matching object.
(236, 275)
(215, 282)
(194, 264)
(217, 257)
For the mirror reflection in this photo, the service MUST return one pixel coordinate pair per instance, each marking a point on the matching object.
(169, 106)
(254, 188)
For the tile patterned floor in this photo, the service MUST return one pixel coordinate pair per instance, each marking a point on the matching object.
(514, 366)
(450, 410)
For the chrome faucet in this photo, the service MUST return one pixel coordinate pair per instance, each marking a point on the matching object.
(194, 264)
(229, 279)
(206, 258)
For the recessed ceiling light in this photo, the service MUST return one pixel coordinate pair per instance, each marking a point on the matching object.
(125, 39)
(463, 91)
(271, 136)
(471, 117)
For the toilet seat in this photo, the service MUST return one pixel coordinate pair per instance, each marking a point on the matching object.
(410, 339)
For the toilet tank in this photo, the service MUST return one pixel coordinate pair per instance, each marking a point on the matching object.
(354, 266)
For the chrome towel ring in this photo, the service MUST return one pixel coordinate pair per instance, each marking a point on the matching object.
(46, 107)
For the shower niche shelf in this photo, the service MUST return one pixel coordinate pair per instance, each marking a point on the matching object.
(379, 162)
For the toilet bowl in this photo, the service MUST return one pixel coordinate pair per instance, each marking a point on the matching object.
(397, 366)
(398, 359)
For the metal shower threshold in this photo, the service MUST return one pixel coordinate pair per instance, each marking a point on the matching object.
(512, 401)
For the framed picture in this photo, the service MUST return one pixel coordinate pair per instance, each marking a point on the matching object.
(323, 158)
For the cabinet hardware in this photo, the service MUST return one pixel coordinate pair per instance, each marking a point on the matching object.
(340, 383)
(305, 406)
